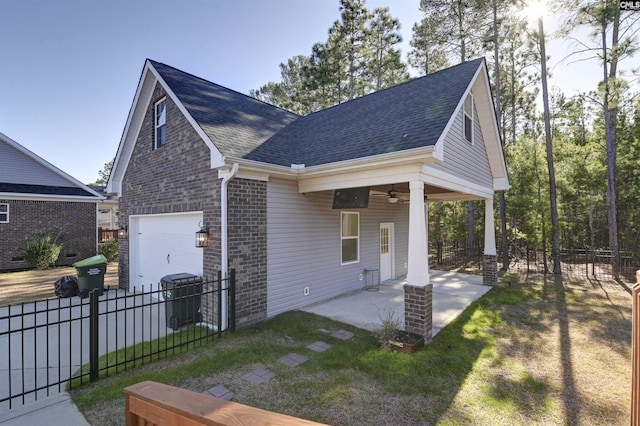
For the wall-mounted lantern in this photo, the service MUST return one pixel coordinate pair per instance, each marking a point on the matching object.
(123, 232)
(202, 236)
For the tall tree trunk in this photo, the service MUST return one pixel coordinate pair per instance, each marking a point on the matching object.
(470, 205)
(513, 98)
(555, 242)
(611, 123)
(501, 200)
(541, 211)
(470, 229)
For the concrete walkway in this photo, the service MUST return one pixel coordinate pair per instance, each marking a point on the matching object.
(58, 410)
(452, 293)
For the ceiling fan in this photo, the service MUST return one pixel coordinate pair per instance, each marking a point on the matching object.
(392, 195)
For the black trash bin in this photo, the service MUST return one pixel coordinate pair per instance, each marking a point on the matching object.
(91, 273)
(182, 294)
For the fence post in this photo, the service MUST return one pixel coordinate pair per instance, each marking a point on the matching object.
(219, 299)
(586, 262)
(93, 335)
(635, 358)
(232, 300)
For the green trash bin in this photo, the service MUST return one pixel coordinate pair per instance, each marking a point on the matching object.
(182, 294)
(91, 273)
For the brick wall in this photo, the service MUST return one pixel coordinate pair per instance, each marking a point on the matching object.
(177, 178)
(247, 224)
(418, 310)
(490, 270)
(75, 222)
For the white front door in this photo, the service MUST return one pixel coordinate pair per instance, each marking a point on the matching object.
(163, 245)
(386, 251)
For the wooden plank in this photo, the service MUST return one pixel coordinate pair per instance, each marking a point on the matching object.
(160, 404)
(635, 357)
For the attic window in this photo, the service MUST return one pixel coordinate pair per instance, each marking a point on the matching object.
(468, 118)
(160, 120)
(4, 213)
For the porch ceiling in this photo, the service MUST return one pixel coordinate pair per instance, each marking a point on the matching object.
(403, 189)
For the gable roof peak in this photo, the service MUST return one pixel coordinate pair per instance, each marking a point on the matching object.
(159, 65)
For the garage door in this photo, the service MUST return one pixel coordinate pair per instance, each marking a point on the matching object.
(163, 245)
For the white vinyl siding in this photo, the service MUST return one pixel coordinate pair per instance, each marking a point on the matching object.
(461, 159)
(16, 167)
(303, 249)
(350, 237)
(4, 213)
(160, 120)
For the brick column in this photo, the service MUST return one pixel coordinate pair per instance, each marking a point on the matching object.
(418, 305)
(490, 270)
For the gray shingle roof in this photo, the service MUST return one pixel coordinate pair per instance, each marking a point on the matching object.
(17, 188)
(407, 116)
(234, 122)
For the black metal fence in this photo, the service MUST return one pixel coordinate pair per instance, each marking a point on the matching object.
(45, 345)
(581, 262)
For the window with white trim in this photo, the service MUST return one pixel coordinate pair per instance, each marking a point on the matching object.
(350, 237)
(4, 213)
(160, 121)
(468, 118)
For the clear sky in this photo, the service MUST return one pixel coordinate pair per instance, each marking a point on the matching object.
(69, 68)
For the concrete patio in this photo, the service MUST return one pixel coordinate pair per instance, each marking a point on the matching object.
(452, 293)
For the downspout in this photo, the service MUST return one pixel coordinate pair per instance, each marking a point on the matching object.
(97, 227)
(224, 239)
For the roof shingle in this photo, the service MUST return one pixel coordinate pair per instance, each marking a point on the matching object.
(234, 122)
(16, 188)
(411, 115)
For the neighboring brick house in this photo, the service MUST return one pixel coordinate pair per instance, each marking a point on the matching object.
(300, 206)
(36, 197)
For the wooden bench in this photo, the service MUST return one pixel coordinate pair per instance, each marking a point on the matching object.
(151, 403)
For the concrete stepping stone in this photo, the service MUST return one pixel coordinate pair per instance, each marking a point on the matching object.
(258, 376)
(342, 334)
(319, 346)
(220, 392)
(293, 359)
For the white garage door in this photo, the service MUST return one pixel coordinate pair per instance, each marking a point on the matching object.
(162, 245)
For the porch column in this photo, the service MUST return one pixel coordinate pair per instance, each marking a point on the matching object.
(417, 262)
(490, 260)
(418, 296)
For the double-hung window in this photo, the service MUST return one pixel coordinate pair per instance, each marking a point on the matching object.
(160, 121)
(4, 213)
(468, 118)
(350, 237)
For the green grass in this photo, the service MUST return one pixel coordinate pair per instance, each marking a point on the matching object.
(147, 352)
(476, 370)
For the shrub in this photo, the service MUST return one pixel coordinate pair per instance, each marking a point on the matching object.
(43, 250)
(109, 249)
(387, 330)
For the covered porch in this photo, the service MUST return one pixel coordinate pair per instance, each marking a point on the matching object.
(423, 297)
(452, 293)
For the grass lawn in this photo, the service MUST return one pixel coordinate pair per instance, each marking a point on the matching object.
(33, 285)
(528, 352)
